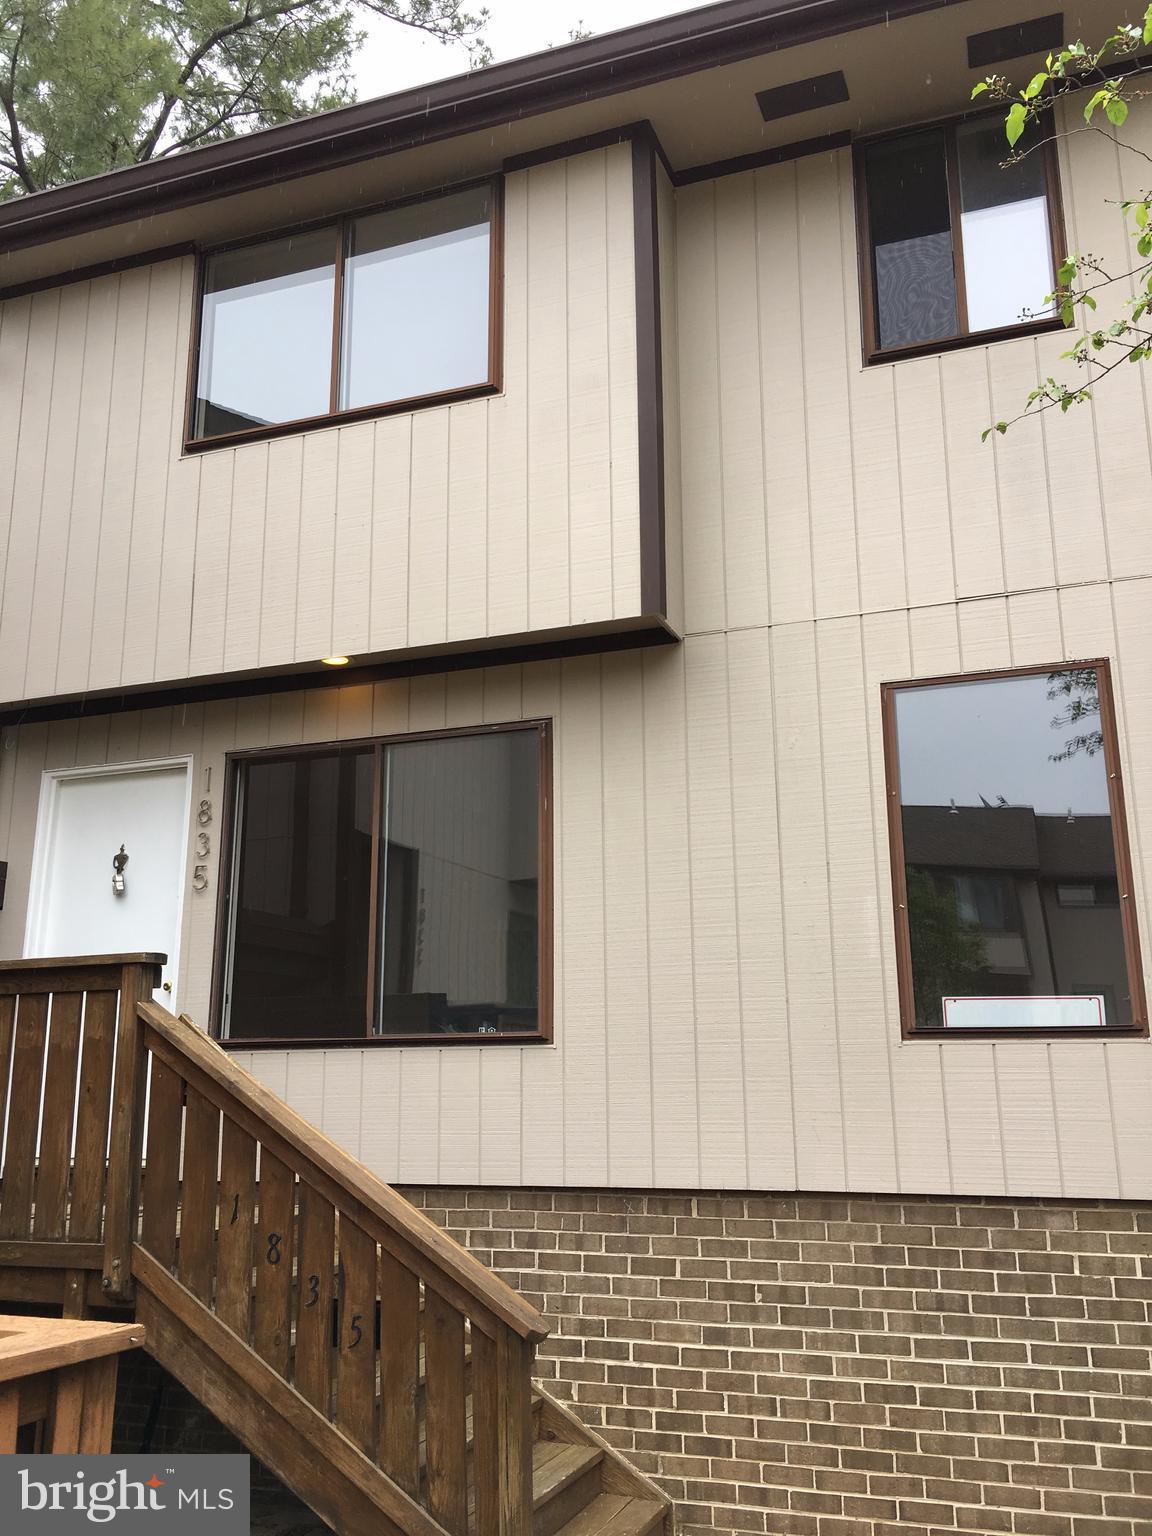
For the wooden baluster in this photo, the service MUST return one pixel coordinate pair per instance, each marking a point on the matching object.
(126, 1132)
(198, 1204)
(237, 1222)
(94, 1103)
(161, 1187)
(356, 1357)
(513, 1417)
(9, 1412)
(27, 1072)
(485, 1435)
(445, 1421)
(60, 1070)
(275, 1243)
(7, 1029)
(399, 1373)
(316, 1267)
(99, 1406)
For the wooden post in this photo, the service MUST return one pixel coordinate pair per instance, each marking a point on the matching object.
(138, 981)
(514, 1364)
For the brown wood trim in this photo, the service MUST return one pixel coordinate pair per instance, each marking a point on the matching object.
(335, 417)
(776, 156)
(339, 418)
(598, 67)
(99, 269)
(1123, 847)
(374, 979)
(545, 945)
(908, 1028)
(956, 219)
(873, 352)
(301, 677)
(649, 379)
(564, 149)
(338, 261)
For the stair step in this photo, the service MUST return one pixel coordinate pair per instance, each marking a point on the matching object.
(565, 1479)
(615, 1514)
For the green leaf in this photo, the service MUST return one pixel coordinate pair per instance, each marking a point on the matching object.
(1067, 271)
(1035, 85)
(1088, 300)
(1014, 125)
(1141, 214)
(1117, 110)
(1093, 103)
(1148, 25)
(978, 90)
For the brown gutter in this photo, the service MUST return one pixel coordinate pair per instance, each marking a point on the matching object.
(585, 71)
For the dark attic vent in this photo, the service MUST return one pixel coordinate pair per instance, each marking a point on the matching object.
(1013, 42)
(803, 95)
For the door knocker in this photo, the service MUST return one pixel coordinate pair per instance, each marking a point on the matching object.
(118, 862)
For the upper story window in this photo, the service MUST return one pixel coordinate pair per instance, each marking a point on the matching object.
(955, 244)
(365, 314)
(1009, 854)
(390, 890)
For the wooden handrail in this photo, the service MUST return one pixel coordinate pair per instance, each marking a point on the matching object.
(356, 1189)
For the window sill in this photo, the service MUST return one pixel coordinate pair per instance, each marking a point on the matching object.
(376, 1042)
(955, 343)
(1097, 1032)
(297, 428)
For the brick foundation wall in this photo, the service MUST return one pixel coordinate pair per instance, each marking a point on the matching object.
(844, 1367)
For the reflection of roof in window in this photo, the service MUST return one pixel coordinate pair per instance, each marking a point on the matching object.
(1009, 838)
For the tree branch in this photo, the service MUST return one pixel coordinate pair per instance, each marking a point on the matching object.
(8, 101)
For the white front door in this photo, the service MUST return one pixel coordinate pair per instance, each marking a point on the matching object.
(85, 817)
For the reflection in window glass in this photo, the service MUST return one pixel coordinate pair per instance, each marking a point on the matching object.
(1007, 827)
(299, 939)
(266, 334)
(995, 219)
(416, 285)
(911, 239)
(1004, 220)
(460, 873)
(389, 888)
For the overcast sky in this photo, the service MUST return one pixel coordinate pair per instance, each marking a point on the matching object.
(395, 57)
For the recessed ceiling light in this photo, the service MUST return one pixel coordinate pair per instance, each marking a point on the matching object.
(335, 661)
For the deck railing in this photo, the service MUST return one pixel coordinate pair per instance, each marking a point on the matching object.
(159, 1162)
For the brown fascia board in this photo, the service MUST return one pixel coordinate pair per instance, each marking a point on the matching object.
(597, 67)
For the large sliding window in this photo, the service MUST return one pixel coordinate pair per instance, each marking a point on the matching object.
(1010, 860)
(959, 237)
(390, 890)
(363, 314)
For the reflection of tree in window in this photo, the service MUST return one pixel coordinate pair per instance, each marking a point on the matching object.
(1080, 686)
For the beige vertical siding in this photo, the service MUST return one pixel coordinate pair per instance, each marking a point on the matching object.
(122, 562)
(725, 977)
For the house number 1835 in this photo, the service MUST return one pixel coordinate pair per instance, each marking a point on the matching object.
(203, 847)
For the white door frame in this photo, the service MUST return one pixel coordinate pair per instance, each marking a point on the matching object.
(45, 829)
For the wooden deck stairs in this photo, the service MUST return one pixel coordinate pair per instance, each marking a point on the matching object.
(364, 1356)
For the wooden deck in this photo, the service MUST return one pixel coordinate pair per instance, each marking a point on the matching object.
(58, 1379)
(381, 1371)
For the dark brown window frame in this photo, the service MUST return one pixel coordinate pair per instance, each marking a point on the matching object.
(870, 340)
(543, 1035)
(908, 1026)
(334, 417)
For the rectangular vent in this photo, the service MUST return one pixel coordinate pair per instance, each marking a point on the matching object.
(803, 95)
(1023, 37)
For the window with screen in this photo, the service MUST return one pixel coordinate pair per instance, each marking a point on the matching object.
(959, 234)
(368, 312)
(1010, 857)
(389, 890)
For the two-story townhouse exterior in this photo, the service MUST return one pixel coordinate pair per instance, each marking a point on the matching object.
(513, 569)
